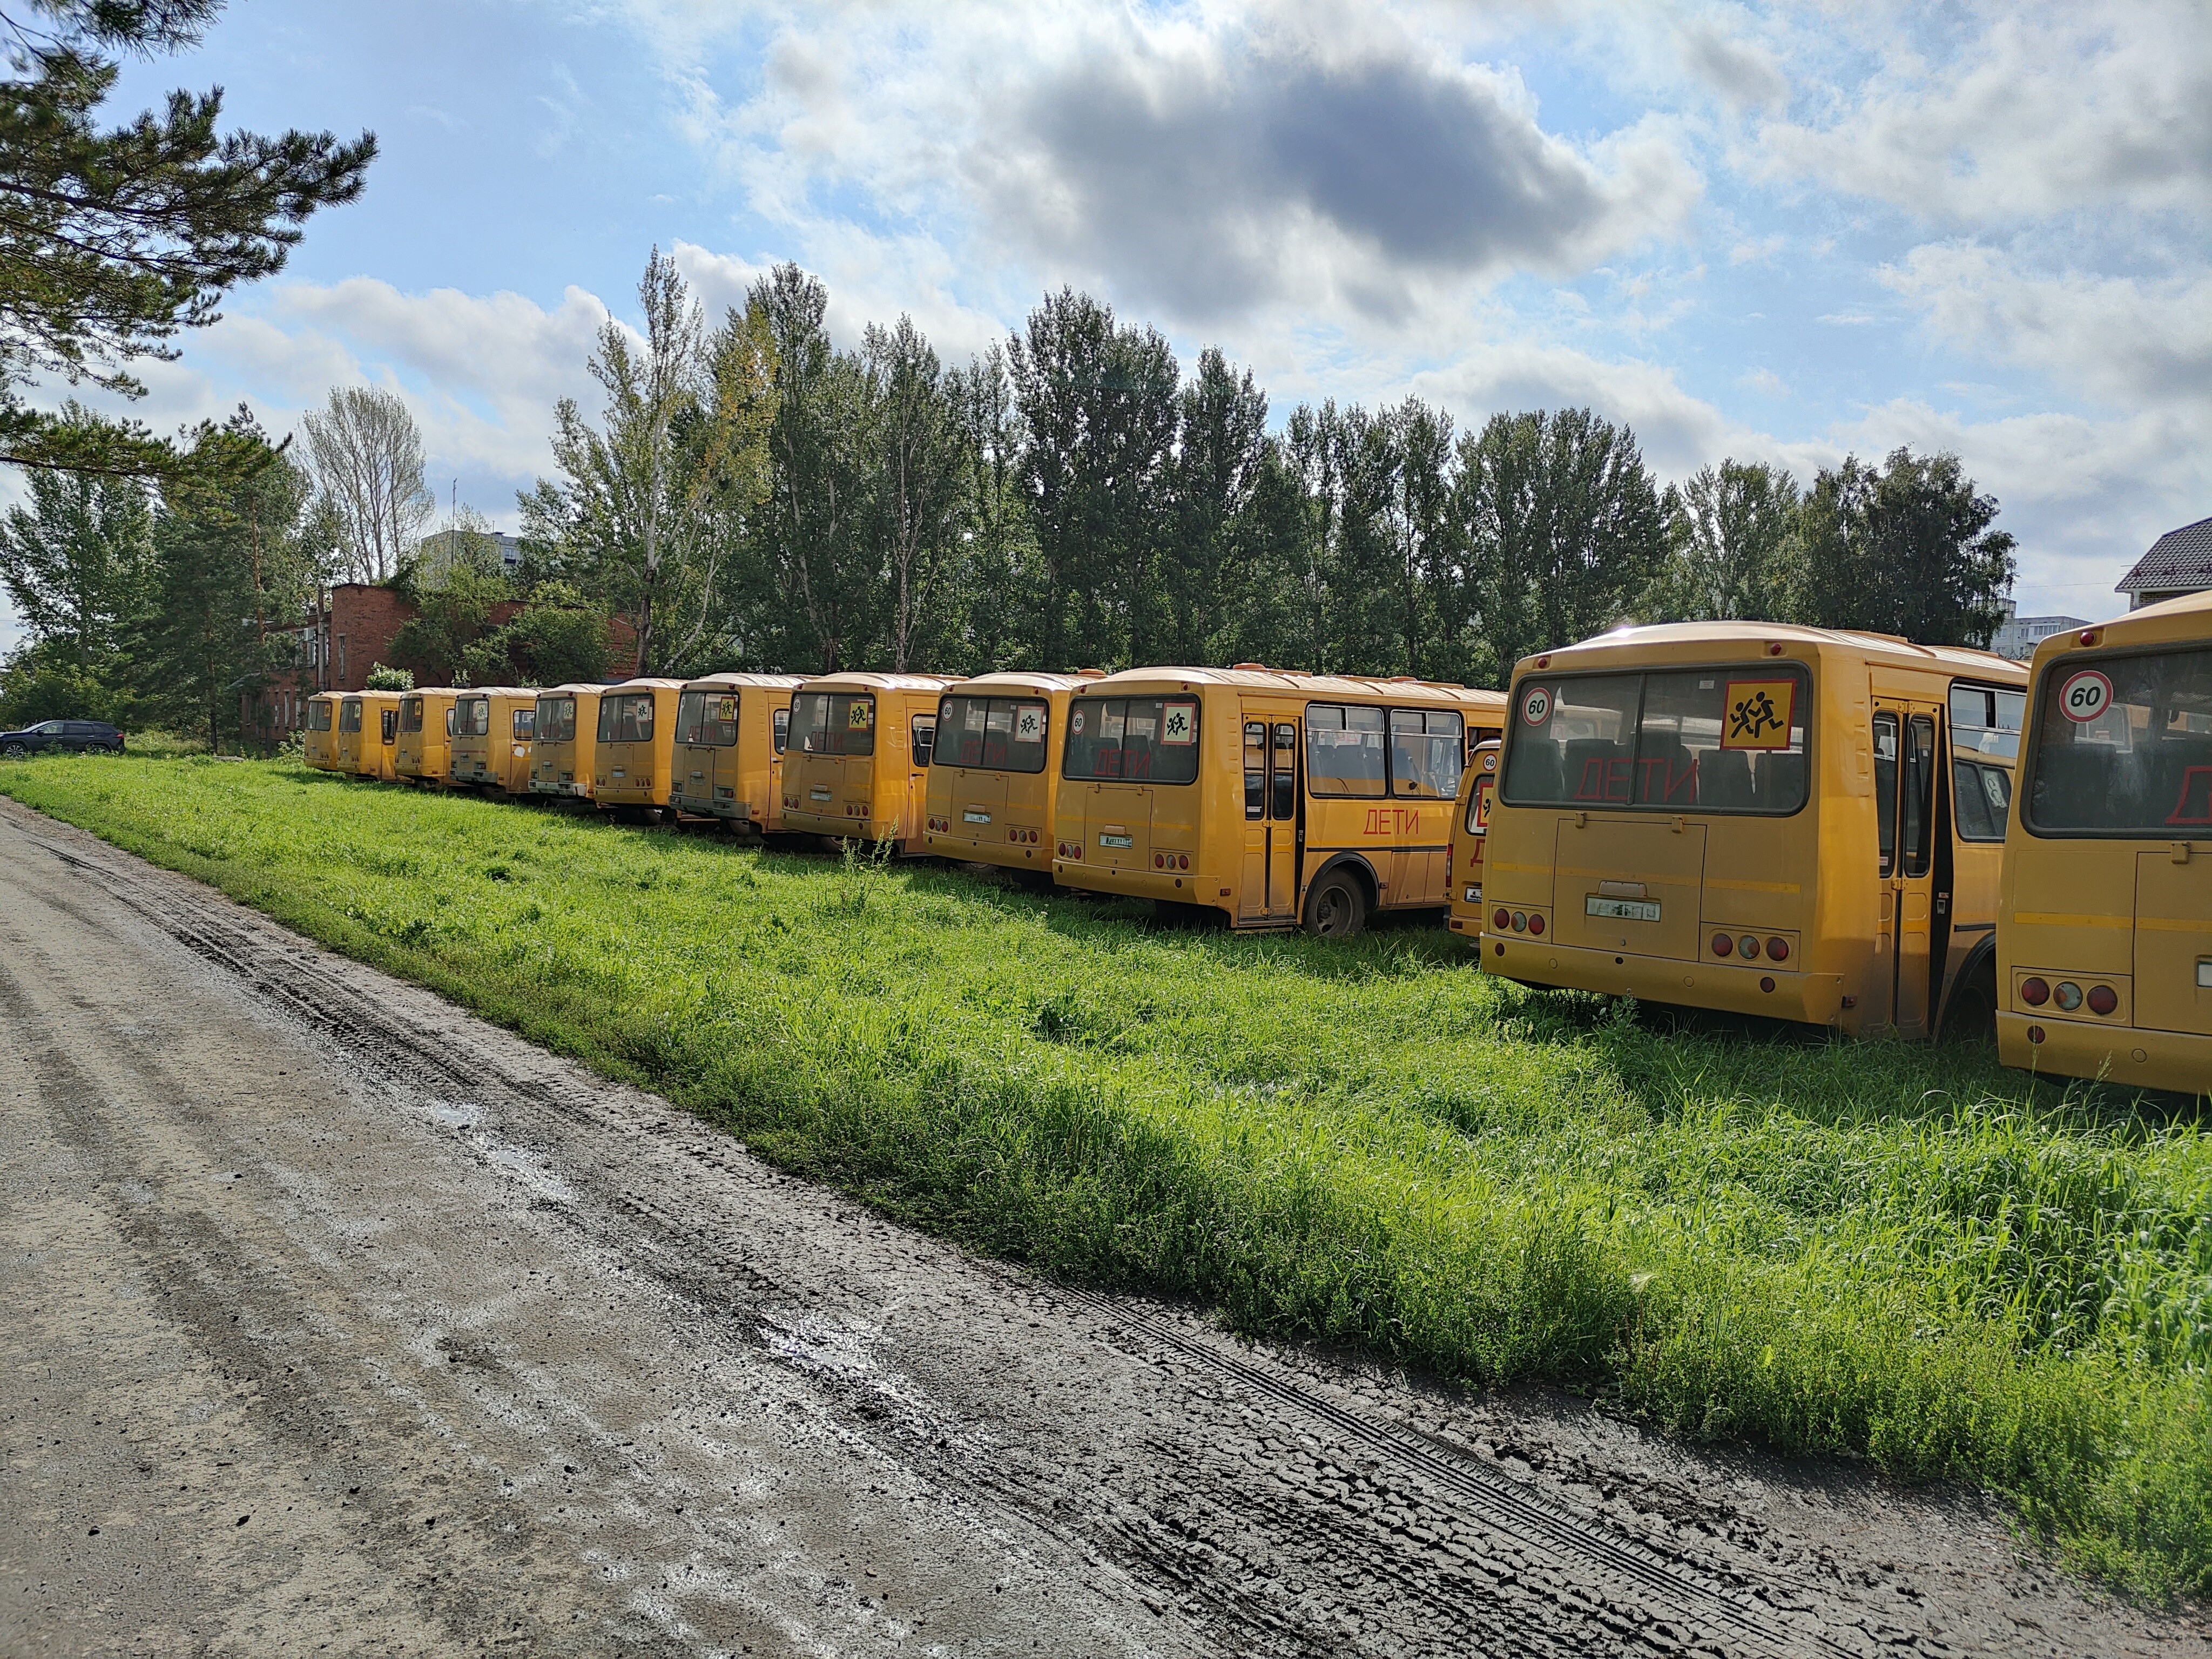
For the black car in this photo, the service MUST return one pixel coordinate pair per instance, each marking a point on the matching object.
(86, 737)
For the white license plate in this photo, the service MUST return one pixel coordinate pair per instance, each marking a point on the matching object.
(976, 817)
(818, 794)
(1117, 840)
(1473, 896)
(1622, 910)
(2204, 975)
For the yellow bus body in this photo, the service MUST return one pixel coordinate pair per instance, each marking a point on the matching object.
(729, 759)
(1470, 838)
(322, 733)
(564, 734)
(2108, 857)
(1279, 798)
(492, 728)
(424, 753)
(633, 752)
(863, 777)
(995, 769)
(1795, 794)
(369, 734)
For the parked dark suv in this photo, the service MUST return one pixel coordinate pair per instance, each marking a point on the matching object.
(86, 737)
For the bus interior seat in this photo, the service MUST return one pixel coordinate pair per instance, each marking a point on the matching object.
(1725, 781)
(2078, 774)
(1538, 771)
(2182, 781)
(1781, 780)
(1666, 772)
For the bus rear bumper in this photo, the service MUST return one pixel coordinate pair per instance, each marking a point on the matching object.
(963, 850)
(2130, 1058)
(1809, 999)
(1185, 889)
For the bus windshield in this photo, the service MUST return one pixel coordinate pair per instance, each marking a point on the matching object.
(1133, 739)
(834, 722)
(2123, 748)
(627, 718)
(707, 718)
(557, 719)
(1005, 734)
(1726, 740)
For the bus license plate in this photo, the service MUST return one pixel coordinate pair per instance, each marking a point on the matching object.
(818, 794)
(976, 817)
(1622, 910)
(1117, 840)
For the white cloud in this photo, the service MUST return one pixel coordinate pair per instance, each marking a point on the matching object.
(2010, 111)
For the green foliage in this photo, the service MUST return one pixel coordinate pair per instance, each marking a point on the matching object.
(113, 238)
(1908, 550)
(1736, 548)
(457, 585)
(381, 678)
(557, 639)
(1877, 1251)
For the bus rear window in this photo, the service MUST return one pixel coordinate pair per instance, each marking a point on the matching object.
(350, 715)
(1133, 739)
(472, 717)
(834, 723)
(1002, 734)
(557, 719)
(411, 716)
(525, 724)
(627, 718)
(1726, 740)
(2122, 747)
(707, 718)
(319, 717)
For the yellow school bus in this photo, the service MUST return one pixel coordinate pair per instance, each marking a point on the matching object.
(631, 757)
(2105, 936)
(564, 732)
(322, 752)
(1470, 835)
(424, 751)
(369, 732)
(1756, 818)
(857, 764)
(995, 769)
(492, 728)
(728, 760)
(1279, 798)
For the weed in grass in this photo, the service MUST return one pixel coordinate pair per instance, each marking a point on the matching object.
(1870, 1250)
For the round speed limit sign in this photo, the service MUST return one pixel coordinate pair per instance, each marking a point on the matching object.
(2085, 695)
(1536, 706)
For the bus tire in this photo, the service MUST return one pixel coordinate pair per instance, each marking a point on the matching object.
(1336, 907)
(1972, 1015)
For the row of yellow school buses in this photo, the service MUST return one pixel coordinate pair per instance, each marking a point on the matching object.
(1845, 830)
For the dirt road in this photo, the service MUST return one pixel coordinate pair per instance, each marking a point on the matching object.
(335, 1320)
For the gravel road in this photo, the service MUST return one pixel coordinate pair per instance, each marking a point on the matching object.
(335, 1320)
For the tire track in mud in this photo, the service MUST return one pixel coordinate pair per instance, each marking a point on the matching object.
(1251, 1496)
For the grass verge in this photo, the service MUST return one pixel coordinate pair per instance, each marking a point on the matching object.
(1875, 1250)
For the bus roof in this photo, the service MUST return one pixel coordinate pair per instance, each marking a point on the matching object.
(646, 682)
(872, 682)
(494, 691)
(720, 682)
(2174, 621)
(1403, 688)
(574, 689)
(1029, 679)
(1885, 648)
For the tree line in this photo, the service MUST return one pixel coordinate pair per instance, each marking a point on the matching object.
(749, 494)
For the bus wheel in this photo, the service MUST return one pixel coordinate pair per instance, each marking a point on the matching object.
(1972, 1015)
(1337, 907)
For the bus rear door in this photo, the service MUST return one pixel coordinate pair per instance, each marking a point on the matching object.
(1272, 830)
(1904, 766)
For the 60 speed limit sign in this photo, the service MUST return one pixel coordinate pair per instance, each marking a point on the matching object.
(2085, 695)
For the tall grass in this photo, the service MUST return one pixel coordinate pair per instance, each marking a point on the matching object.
(1901, 1253)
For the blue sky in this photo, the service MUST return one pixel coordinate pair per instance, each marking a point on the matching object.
(1782, 233)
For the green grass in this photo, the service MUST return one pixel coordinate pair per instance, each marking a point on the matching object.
(1875, 1250)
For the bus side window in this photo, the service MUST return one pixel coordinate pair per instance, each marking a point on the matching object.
(782, 729)
(1255, 769)
(925, 738)
(1283, 796)
(1885, 788)
(1919, 793)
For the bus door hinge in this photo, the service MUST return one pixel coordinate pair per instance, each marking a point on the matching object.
(1581, 820)
(1682, 824)
(2181, 852)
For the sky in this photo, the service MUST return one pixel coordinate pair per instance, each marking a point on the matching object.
(1782, 233)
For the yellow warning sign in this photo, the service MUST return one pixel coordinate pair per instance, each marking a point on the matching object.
(1758, 713)
(862, 715)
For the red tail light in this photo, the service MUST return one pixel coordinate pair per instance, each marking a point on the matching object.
(1778, 950)
(1723, 945)
(2103, 999)
(1535, 924)
(1501, 919)
(2034, 992)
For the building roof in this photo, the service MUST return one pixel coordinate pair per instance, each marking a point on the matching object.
(2179, 559)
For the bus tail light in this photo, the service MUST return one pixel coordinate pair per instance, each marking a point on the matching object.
(1535, 924)
(1777, 949)
(2035, 1034)
(2034, 992)
(1182, 861)
(2103, 999)
(2068, 995)
(1723, 945)
(1520, 922)
(1747, 948)
(1501, 919)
